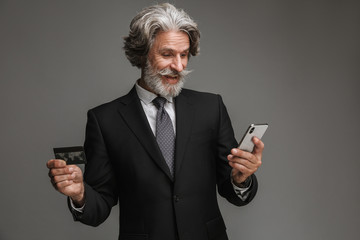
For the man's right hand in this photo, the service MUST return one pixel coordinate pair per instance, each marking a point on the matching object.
(68, 180)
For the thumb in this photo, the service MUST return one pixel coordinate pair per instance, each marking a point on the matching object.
(77, 176)
(259, 146)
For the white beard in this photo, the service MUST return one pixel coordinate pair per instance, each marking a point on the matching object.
(154, 81)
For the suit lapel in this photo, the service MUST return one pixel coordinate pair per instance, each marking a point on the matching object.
(133, 114)
(184, 119)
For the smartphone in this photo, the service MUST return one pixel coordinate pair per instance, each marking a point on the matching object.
(256, 130)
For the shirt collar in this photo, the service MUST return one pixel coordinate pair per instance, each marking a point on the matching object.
(147, 96)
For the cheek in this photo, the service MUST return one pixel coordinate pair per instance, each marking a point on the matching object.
(160, 64)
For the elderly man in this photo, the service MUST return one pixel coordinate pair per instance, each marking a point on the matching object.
(160, 150)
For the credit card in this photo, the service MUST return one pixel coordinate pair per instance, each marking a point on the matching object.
(71, 155)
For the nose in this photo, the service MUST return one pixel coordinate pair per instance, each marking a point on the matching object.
(177, 64)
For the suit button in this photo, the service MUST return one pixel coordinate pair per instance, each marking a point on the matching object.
(176, 198)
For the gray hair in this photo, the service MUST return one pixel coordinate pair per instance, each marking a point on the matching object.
(150, 21)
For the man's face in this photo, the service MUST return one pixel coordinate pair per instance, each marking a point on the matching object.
(167, 60)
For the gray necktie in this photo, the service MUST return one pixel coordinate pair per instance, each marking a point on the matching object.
(165, 135)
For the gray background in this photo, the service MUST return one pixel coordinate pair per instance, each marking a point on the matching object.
(293, 64)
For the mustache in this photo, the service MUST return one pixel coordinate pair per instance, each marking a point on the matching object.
(174, 73)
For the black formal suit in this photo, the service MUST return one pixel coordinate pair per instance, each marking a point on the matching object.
(125, 164)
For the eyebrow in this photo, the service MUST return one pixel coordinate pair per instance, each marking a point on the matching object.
(172, 50)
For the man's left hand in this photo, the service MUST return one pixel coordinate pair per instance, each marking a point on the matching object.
(244, 163)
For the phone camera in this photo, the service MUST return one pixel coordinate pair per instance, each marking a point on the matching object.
(252, 130)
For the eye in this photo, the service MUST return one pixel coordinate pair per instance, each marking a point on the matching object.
(166, 54)
(183, 55)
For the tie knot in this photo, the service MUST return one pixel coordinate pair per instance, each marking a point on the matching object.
(159, 102)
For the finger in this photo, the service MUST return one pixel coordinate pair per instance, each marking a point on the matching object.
(61, 171)
(63, 184)
(241, 168)
(55, 163)
(77, 177)
(246, 159)
(73, 168)
(244, 162)
(61, 178)
(243, 154)
(245, 169)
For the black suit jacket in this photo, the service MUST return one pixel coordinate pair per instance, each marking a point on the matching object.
(125, 164)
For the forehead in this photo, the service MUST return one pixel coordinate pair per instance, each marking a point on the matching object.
(172, 40)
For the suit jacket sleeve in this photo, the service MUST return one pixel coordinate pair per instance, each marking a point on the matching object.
(226, 141)
(99, 178)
